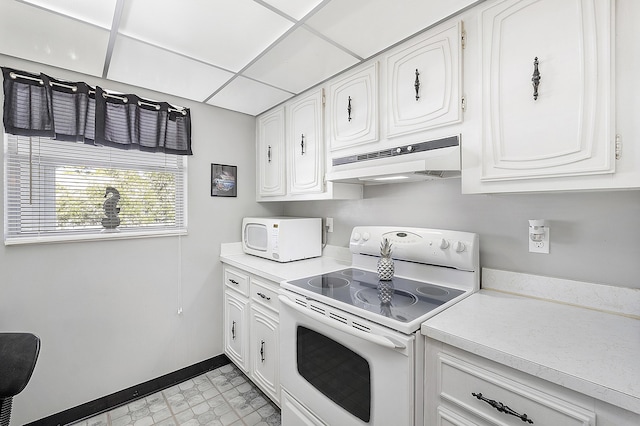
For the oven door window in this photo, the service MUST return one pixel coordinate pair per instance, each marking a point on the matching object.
(335, 370)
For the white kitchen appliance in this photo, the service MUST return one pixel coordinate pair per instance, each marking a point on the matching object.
(434, 159)
(282, 239)
(350, 346)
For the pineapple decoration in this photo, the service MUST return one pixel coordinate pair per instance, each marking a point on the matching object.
(385, 263)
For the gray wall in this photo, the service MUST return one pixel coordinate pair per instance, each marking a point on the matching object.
(595, 236)
(106, 311)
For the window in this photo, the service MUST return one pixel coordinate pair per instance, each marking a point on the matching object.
(58, 190)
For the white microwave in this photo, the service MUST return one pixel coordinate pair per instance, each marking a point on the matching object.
(282, 239)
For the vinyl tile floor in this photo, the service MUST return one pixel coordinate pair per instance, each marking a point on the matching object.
(223, 396)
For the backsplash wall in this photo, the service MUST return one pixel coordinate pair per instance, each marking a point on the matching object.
(595, 236)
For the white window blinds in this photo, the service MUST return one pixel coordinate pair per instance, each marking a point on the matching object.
(56, 191)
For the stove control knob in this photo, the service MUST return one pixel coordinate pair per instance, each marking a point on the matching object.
(460, 247)
(399, 150)
(366, 236)
(356, 236)
(409, 148)
(444, 244)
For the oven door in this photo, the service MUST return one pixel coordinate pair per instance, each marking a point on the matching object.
(343, 369)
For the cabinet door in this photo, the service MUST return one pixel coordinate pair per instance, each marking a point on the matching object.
(235, 329)
(304, 144)
(270, 153)
(265, 352)
(424, 82)
(447, 417)
(561, 124)
(353, 108)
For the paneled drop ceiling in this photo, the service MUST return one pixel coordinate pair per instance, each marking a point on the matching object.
(242, 55)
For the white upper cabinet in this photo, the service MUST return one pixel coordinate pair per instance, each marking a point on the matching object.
(291, 153)
(353, 108)
(305, 144)
(271, 153)
(545, 70)
(424, 82)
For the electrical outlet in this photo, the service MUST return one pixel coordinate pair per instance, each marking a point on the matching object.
(329, 224)
(540, 246)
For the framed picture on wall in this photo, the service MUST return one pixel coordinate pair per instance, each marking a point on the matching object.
(224, 180)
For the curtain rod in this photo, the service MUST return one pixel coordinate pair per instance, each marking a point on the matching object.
(74, 88)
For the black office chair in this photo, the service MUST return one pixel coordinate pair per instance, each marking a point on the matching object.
(18, 356)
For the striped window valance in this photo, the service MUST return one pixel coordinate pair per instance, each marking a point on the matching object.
(40, 105)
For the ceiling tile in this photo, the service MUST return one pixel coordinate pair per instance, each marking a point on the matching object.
(300, 61)
(367, 27)
(137, 63)
(297, 9)
(248, 96)
(228, 34)
(51, 39)
(98, 13)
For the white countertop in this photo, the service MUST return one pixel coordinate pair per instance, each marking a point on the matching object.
(590, 351)
(332, 259)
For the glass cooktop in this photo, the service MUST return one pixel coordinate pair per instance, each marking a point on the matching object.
(401, 299)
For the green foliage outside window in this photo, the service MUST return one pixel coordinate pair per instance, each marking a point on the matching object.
(146, 198)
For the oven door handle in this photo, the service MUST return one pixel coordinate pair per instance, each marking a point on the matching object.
(373, 338)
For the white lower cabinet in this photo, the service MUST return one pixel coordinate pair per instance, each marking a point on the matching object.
(236, 331)
(251, 328)
(264, 354)
(463, 389)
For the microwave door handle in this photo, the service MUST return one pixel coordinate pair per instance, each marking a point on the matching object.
(373, 338)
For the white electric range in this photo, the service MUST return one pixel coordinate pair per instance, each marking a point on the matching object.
(350, 350)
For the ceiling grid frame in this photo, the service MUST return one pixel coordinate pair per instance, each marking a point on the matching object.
(273, 72)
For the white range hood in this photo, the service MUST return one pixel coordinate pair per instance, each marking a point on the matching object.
(436, 159)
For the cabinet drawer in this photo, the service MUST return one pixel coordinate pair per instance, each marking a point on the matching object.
(236, 280)
(265, 295)
(459, 380)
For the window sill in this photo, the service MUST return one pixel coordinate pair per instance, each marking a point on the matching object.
(93, 237)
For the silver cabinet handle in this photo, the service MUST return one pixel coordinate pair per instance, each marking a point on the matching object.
(535, 79)
(302, 145)
(502, 408)
(264, 296)
(262, 351)
(416, 84)
(269, 153)
(233, 331)
(349, 109)
(232, 281)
